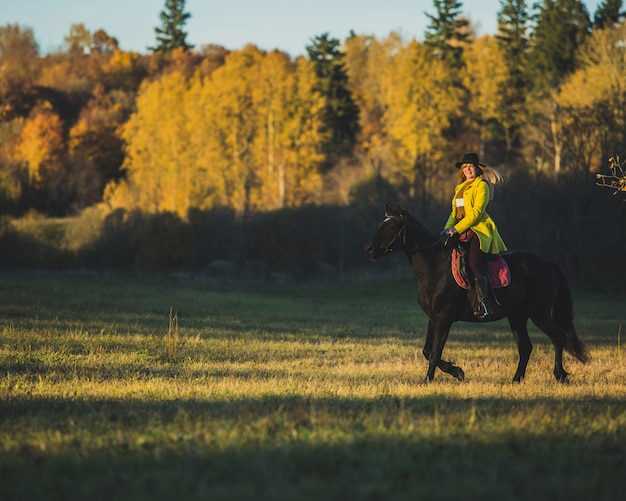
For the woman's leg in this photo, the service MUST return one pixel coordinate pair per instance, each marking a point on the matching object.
(476, 259)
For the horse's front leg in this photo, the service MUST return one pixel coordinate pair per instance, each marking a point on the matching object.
(436, 337)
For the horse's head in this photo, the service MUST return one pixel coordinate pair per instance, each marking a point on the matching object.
(391, 234)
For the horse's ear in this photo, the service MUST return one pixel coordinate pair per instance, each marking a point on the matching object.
(399, 210)
(388, 211)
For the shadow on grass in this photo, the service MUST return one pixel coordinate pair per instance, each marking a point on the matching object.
(359, 311)
(298, 448)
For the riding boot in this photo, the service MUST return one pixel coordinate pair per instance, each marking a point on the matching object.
(484, 309)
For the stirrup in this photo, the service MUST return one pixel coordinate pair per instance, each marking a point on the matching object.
(483, 311)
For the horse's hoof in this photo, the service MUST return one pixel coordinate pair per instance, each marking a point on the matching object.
(562, 378)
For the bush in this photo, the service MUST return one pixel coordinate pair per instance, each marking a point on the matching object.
(34, 241)
(161, 242)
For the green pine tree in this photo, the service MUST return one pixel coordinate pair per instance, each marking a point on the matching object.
(512, 38)
(170, 35)
(561, 26)
(341, 115)
(447, 31)
(608, 14)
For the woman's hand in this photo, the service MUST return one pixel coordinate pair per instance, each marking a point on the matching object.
(446, 234)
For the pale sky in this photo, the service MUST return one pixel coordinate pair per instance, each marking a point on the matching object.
(288, 25)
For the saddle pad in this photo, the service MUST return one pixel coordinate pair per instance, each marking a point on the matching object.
(499, 273)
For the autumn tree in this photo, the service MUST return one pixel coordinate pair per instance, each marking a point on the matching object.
(341, 115)
(248, 136)
(95, 149)
(41, 144)
(40, 150)
(123, 71)
(362, 83)
(103, 43)
(421, 101)
(484, 76)
(72, 72)
(231, 130)
(156, 143)
(593, 100)
(171, 35)
(367, 60)
(18, 69)
(561, 26)
(409, 99)
(288, 152)
(213, 56)
(10, 169)
(263, 124)
(78, 41)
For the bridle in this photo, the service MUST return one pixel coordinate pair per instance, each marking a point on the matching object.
(386, 249)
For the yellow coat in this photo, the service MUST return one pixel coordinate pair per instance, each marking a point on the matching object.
(476, 197)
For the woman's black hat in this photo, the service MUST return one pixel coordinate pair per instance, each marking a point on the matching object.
(469, 158)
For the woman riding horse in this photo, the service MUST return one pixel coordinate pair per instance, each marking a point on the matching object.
(476, 229)
(538, 291)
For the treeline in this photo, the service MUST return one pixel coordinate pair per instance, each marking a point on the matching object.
(316, 242)
(126, 145)
(308, 242)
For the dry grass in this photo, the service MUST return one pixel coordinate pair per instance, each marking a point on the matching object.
(291, 393)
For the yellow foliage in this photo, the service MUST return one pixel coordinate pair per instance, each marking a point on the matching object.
(121, 61)
(485, 74)
(602, 73)
(117, 195)
(591, 101)
(18, 58)
(264, 129)
(157, 145)
(59, 74)
(10, 188)
(41, 142)
(420, 100)
(287, 153)
(248, 136)
(231, 125)
(585, 87)
(367, 60)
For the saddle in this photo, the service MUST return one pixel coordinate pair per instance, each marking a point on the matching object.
(498, 271)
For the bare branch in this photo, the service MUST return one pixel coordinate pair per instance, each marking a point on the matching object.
(617, 179)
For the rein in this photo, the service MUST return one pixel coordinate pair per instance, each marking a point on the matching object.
(402, 231)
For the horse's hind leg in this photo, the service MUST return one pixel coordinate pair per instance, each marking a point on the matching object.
(544, 322)
(524, 346)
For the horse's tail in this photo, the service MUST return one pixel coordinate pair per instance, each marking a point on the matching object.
(563, 315)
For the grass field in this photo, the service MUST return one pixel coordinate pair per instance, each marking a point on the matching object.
(292, 392)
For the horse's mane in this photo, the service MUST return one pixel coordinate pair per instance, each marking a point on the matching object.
(414, 221)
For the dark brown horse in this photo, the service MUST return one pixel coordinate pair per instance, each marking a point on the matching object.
(538, 291)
